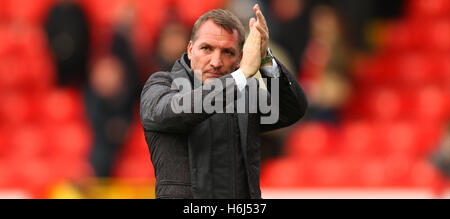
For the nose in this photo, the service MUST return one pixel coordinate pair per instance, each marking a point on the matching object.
(216, 60)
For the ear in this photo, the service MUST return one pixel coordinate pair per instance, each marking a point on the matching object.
(240, 59)
(189, 50)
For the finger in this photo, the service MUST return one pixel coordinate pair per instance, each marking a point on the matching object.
(252, 36)
(252, 22)
(264, 33)
(261, 18)
(254, 31)
(255, 8)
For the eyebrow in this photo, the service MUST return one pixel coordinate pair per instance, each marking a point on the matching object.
(233, 50)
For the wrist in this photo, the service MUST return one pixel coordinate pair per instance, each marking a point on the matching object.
(264, 54)
(245, 71)
(267, 60)
(268, 63)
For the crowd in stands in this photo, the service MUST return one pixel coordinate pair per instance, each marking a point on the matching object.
(376, 74)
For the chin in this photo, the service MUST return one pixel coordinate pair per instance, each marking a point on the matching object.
(207, 80)
(210, 77)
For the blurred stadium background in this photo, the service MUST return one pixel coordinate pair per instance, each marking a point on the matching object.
(377, 75)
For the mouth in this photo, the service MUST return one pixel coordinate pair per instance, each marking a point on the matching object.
(214, 74)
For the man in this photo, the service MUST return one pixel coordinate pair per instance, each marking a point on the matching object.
(199, 154)
(67, 30)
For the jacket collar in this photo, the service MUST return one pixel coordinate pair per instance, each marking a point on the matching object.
(182, 68)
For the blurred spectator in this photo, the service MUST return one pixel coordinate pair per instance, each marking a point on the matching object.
(170, 45)
(240, 9)
(441, 160)
(324, 72)
(68, 35)
(110, 98)
(288, 21)
(271, 142)
(360, 14)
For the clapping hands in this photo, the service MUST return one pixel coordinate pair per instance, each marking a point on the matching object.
(255, 47)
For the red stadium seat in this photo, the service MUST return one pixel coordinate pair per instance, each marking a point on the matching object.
(432, 104)
(70, 169)
(399, 138)
(102, 12)
(384, 104)
(3, 13)
(284, 172)
(12, 73)
(70, 140)
(61, 105)
(441, 70)
(190, 10)
(309, 140)
(4, 144)
(423, 174)
(32, 12)
(27, 142)
(403, 35)
(393, 69)
(397, 36)
(34, 175)
(38, 65)
(420, 40)
(429, 8)
(41, 74)
(330, 172)
(412, 69)
(358, 139)
(101, 15)
(150, 16)
(372, 173)
(16, 109)
(7, 179)
(25, 62)
(431, 134)
(398, 170)
(5, 39)
(439, 35)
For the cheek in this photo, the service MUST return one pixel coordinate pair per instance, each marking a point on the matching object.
(193, 62)
(232, 64)
(198, 61)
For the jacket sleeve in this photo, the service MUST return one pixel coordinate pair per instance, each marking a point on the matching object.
(292, 102)
(159, 95)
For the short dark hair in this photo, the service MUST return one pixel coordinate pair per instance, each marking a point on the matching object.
(223, 18)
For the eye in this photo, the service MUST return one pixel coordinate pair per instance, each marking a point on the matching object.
(205, 48)
(229, 52)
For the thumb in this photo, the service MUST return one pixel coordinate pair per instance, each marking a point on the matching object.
(252, 22)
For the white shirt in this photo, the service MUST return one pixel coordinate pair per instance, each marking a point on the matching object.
(271, 71)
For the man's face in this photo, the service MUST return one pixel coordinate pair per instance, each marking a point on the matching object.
(215, 51)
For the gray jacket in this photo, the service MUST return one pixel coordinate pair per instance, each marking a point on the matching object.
(180, 144)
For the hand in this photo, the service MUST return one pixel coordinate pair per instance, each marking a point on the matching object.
(251, 57)
(261, 25)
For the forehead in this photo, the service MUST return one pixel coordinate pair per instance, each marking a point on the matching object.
(215, 35)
